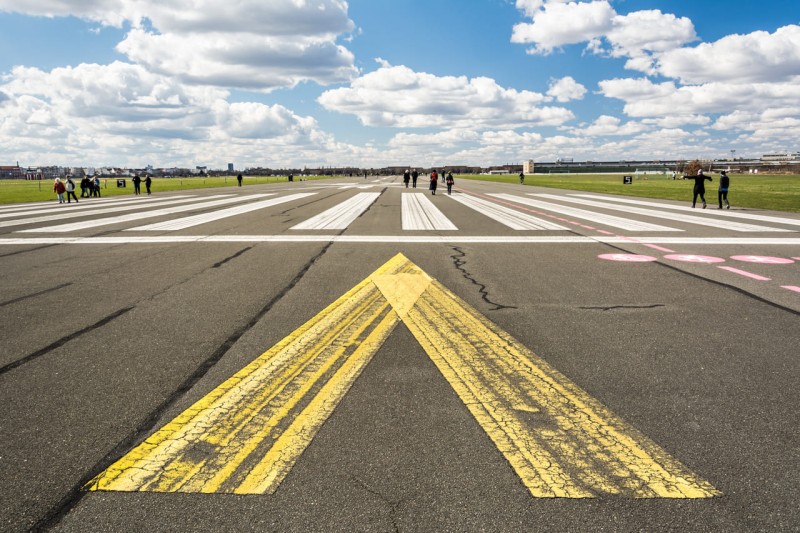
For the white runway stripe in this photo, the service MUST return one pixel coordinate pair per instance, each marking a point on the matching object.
(394, 239)
(204, 218)
(342, 215)
(710, 211)
(617, 222)
(101, 211)
(505, 215)
(94, 223)
(700, 221)
(419, 213)
(85, 205)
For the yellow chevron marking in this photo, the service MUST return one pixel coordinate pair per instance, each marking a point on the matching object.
(245, 436)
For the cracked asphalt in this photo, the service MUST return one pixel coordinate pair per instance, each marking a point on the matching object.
(105, 343)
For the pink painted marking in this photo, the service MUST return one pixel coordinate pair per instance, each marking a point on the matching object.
(764, 260)
(604, 232)
(588, 227)
(688, 258)
(745, 274)
(660, 248)
(627, 258)
(793, 288)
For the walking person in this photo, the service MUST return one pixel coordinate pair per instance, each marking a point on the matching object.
(722, 193)
(59, 188)
(96, 187)
(85, 187)
(434, 180)
(147, 182)
(449, 181)
(414, 176)
(699, 187)
(137, 184)
(239, 179)
(406, 177)
(70, 188)
(521, 178)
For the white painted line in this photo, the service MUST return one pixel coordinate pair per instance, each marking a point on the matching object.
(91, 201)
(419, 213)
(515, 220)
(342, 215)
(391, 239)
(204, 218)
(599, 218)
(94, 223)
(700, 221)
(744, 273)
(88, 207)
(708, 211)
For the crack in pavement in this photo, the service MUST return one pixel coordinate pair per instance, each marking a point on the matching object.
(392, 504)
(615, 307)
(459, 262)
(73, 497)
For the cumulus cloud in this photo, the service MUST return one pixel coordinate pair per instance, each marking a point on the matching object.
(108, 113)
(643, 98)
(756, 57)
(606, 125)
(248, 43)
(566, 89)
(556, 24)
(400, 97)
(639, 35)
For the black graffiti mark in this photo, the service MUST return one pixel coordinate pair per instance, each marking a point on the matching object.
(231, 258)
(35, 294)
(62, 341)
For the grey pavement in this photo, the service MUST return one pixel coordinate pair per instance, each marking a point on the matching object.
(107, 338)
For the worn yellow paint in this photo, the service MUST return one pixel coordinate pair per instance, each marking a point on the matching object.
(245, 436)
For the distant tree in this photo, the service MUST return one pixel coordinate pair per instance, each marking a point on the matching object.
(692, 167)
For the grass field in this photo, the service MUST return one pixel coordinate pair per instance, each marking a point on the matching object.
(759, 191)
(13, 191)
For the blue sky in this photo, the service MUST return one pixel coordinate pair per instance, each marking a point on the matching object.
(408, 82)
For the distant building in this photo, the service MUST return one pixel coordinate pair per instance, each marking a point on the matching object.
(11, 172)
(230, 167)
(527, 166)
(788, 156)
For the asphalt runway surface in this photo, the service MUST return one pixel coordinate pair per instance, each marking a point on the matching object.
(689, 334)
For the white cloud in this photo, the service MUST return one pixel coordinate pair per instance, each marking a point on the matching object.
(247, 43)
(638, 35)
(556, 24)
(606, 125)
(123, 114)
(643, 98)
(399, 97)
(248, 61)
(566, 89)
(756, 57)
(107, 12)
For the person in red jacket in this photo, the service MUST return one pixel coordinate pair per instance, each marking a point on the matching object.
(59, 188)
(434, 180)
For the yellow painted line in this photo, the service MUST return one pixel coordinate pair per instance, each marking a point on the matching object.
(560, 441)
(214, 445)
(246, 435)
